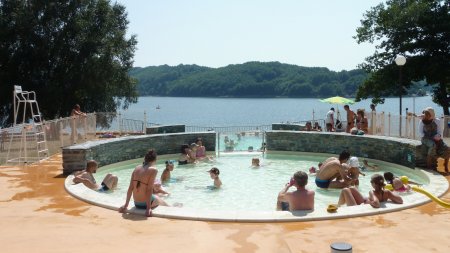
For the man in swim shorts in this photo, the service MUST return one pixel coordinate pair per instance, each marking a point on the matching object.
(333, 172)
(87, 178)
(301, 199)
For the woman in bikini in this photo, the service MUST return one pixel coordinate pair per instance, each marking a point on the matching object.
(351, 196)
(379, 194)
(141, 186)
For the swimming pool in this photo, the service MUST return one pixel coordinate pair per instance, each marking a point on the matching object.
(250, 193)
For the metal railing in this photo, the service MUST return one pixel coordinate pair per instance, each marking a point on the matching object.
(67, 131)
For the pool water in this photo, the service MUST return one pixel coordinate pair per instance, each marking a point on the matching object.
(241, 141)
(244, 187)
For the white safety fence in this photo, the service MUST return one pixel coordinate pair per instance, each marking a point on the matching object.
(19, 143)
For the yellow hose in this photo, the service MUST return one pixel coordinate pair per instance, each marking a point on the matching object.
(431, 196)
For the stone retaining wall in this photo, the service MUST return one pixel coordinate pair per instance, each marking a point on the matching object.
(130, 147)
(289, 127)
(396, 150)
(165, 129)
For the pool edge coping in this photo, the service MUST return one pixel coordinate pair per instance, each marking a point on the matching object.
(439, 183)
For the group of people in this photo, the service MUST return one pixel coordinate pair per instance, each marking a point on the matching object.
(341, 173)
(193, 153)
(357, 123)
(144, 186)
(143, 181)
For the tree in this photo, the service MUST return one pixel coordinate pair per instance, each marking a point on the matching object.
(68, 52)
(417, 29)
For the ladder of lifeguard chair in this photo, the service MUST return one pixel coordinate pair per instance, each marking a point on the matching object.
(40, 136)
(27, 101)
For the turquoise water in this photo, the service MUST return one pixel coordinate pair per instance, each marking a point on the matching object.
(244, 187)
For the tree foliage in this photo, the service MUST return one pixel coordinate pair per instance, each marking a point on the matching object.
(68, 52)
(251, 79)
(417, 29)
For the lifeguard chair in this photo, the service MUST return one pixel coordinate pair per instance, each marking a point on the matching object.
(28, 121)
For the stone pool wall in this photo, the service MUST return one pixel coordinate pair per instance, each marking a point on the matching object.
(130, 147)
(405, 152)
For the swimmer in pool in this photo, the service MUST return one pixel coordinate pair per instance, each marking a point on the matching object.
(158, 189)
(214, 174)
(333, 172)
(255, 162)
(300, 199)
(165, 176)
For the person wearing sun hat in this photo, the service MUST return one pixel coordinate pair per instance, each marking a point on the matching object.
(353, 172)
(214, 174)
(430, 132)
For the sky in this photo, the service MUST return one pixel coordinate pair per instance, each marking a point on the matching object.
(217, 33)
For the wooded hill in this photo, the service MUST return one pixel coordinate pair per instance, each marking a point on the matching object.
(251, 79)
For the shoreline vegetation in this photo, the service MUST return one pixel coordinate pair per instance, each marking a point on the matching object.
(252, 80)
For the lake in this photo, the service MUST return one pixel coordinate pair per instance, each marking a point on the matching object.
(253, 111)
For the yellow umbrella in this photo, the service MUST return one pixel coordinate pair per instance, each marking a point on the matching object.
(338, 100)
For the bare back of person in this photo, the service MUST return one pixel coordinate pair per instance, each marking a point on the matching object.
(333, 174)
(301, 199)
(329, 170)
(142, 178)
(165, 176)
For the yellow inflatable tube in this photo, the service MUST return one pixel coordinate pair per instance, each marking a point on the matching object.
(431, 196)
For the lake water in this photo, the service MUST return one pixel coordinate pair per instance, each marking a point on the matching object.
(253, 111)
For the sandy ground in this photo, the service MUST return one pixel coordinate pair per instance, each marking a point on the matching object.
(38, 215)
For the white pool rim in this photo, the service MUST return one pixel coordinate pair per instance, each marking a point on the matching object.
(437, 185)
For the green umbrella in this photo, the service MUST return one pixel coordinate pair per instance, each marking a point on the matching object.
(338, 100)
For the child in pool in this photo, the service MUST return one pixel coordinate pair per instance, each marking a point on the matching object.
(158, 189)
(255, 162)
(396, 183)
(368, 166)
(214, 174)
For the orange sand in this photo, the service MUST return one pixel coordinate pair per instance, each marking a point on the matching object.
(38, 215)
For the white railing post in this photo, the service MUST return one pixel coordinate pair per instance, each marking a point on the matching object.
(61, 136)
(120, 123)
(145, 123)
(389, 124)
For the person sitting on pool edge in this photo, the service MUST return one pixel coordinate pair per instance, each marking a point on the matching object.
(87, 178)
(333, 172)
(301, 199)
(141, 186)
(214, 174)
